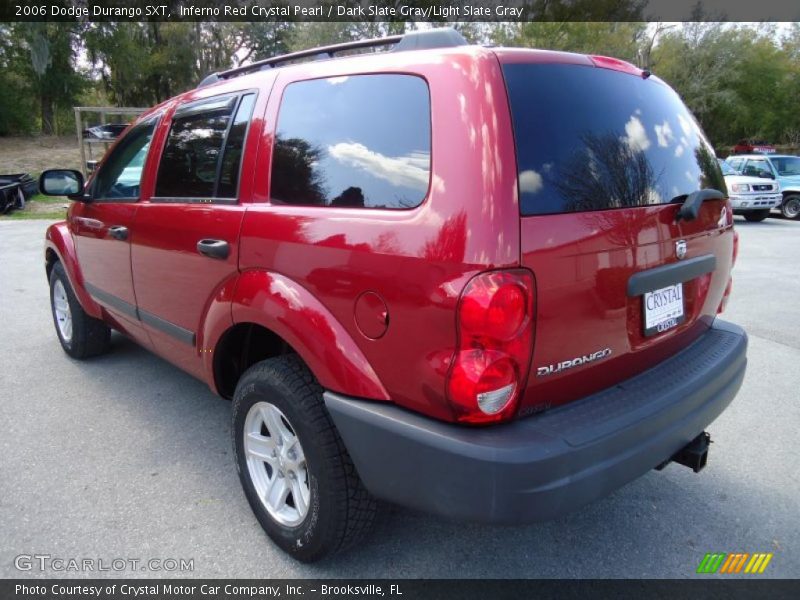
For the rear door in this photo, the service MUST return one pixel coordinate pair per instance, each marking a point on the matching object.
(185, 245)
(605, 159)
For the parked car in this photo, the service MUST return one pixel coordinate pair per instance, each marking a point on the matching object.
(782, 168)
(15, 190)
(108, 131)
(752, 197)
(478, 282)
(753, 147)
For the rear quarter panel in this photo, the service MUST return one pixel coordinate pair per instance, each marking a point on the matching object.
(417, 260)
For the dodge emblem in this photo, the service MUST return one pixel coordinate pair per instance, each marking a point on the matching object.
(680, 249)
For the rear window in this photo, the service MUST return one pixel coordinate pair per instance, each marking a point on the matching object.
(593, 139)
(357, 141)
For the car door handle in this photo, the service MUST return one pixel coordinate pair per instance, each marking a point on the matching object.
(118, 232)
(214, 248)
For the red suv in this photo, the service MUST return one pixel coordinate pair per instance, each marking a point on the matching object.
(478, 282)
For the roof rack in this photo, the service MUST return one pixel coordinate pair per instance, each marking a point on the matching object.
(442, 37)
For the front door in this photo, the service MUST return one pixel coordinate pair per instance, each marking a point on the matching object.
(102, 228)
(186, 242)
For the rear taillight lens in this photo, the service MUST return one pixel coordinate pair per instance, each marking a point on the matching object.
(495, 339)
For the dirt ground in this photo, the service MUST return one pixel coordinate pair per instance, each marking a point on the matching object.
(35, 154)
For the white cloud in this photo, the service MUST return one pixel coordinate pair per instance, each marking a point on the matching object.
(530, 181)
(685, 124)
(664, 134)
(678, 150)
(411, 170)
(636, 136)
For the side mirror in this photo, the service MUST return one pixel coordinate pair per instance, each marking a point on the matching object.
(62, 182)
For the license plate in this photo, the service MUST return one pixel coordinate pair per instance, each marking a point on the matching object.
(663, 309)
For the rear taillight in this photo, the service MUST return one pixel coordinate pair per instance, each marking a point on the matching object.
(495, 339)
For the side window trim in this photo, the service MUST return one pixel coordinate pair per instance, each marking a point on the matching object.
(210, 105)
(153, 120)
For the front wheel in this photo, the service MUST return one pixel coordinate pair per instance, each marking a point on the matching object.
(791, 206)
(754, 216)
(81, 336)
(294, 468)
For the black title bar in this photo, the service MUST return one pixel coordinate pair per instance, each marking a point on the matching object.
(400, 10)
(456, 589)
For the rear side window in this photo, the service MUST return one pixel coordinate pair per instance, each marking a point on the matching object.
(203, 152)
(593, 139)
(358, 141)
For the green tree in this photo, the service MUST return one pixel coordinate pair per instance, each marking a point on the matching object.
(46, 60)
(740, 82)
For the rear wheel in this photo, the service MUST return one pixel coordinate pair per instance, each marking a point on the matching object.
(294, 468)
(791, 206)
(755, 216)
(80, 335)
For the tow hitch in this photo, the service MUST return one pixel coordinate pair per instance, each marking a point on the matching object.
(693, 455)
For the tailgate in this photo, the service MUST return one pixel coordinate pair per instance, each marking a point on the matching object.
(605, 160)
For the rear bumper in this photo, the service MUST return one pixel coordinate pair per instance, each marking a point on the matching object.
(544, 466)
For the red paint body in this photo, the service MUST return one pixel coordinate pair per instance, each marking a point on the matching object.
(299, 271)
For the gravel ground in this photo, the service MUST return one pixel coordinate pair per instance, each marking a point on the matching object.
(126, 456)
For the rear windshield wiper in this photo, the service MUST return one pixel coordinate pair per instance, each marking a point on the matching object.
(691, 203)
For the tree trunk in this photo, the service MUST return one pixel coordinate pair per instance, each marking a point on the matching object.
(47, 114)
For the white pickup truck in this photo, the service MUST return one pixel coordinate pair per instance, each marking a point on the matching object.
(752, 197)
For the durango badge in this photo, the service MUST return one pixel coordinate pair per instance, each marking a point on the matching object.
(575, 362)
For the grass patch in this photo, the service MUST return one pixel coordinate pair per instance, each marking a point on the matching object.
(48, 199)
(39, 207)
(24, 215)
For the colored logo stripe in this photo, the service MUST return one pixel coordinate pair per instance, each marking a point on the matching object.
(723, 562)
(758, 563)
(710, 563)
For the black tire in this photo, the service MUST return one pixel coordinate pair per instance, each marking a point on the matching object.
(791, 206)
(340, 510)
(754, 216)
(90, 336)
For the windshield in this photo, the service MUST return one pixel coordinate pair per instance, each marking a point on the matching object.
(786, 165)
(592, 139)
(726, 168)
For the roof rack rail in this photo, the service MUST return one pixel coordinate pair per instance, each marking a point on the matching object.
(442, 37)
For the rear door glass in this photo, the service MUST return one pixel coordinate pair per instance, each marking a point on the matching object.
(592, 139)
(204, 149)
